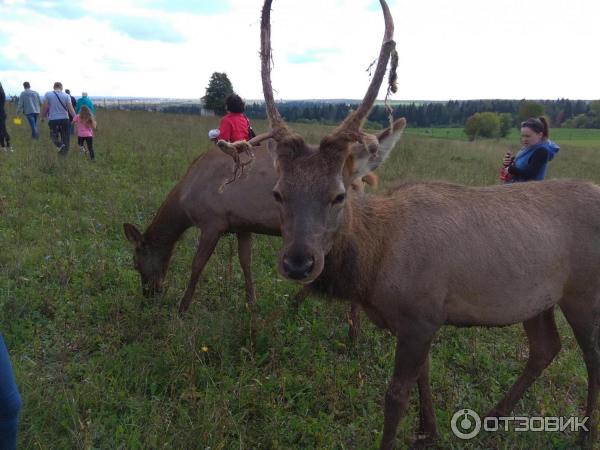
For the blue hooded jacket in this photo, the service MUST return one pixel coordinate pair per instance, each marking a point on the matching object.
(523, 156)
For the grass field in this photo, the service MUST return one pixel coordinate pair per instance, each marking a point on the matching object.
(565, 136)
(101, 367)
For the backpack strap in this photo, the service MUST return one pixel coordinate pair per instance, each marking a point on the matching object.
(61, 103)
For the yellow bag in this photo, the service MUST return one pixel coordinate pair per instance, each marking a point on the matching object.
(17, 121)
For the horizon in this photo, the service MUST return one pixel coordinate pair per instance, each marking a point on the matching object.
(323, 100)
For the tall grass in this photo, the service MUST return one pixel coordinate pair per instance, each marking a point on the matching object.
(100, 366)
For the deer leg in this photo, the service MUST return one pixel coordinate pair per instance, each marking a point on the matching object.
(206, 247)
(245, 255)
(412, 349)
(427, 423)
(354, 321)
(584, 322)
(544, 345)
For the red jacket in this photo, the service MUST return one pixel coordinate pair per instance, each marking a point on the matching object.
(234, 127)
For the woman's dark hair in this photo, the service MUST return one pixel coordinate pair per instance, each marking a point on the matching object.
(234, 103)
(539, 125)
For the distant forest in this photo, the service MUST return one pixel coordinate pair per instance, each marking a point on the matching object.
(453, 113)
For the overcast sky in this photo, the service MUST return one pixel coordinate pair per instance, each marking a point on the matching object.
(448, 49)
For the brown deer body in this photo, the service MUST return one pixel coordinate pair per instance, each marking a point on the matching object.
(432, 254)
(243, 207)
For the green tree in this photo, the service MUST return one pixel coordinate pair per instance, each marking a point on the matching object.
(483, 124)
(218, 88)
(595, 107)
(506, 121)
(530, 109)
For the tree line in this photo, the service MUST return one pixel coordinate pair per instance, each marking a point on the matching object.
(484, 118)
(454, 113)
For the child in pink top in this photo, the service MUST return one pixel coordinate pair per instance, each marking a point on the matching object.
(85, 123)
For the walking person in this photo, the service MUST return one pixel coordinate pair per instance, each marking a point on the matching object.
(10, 402)
(4, 136)
(531, 162)
(29, 104)
(86, 124)
(58, 106)
(73, 103)
(85, 100)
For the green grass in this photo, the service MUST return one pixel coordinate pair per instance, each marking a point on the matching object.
(579, 137)
(100, 366)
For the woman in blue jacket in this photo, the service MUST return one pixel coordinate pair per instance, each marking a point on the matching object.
(531, 161)
(10, 402)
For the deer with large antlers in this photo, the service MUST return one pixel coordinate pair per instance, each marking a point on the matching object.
(427, 255)
(203, 198)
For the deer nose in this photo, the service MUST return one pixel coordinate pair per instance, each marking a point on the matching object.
(298, 267)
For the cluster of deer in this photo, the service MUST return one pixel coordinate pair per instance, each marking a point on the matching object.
(419, 257)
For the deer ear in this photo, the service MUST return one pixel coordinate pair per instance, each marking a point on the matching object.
(133, 234)
(366, 158)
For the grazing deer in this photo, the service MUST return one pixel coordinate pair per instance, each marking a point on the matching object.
(244, 207)
(431, 254)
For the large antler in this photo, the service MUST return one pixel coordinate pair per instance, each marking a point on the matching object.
(279, 129)
(350, 128)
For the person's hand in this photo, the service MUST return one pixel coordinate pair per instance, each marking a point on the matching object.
(508, 159)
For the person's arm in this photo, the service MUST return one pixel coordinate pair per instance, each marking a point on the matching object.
(536, 161)
(71, 109)
(44, 109)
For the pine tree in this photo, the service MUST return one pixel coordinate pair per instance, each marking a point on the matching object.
(218, 88)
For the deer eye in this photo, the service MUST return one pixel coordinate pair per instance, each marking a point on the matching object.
(339, 199)
(277, 197)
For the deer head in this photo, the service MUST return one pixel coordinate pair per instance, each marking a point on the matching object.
(313, 186)
(151, 265)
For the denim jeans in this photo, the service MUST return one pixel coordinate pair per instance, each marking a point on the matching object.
(32, 119)
(10, 402)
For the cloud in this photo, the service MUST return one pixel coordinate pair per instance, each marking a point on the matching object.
(376, 6)
(12, 59)
(57, 8)
(17, 65)
(185, 6)
(146, 29)
(311, 55)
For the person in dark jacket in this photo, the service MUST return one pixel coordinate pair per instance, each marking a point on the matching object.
(4, 136)
(531, 162)
(10, 402)
(74, 104)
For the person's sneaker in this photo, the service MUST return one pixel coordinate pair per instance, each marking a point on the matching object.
(10, 149)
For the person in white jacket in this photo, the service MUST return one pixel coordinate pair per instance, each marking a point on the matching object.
(29, 104)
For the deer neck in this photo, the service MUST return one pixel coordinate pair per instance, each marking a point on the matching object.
(348, 272)
(168, 225)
